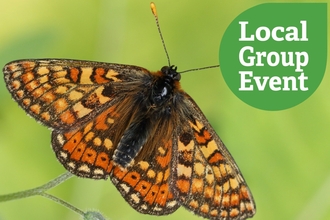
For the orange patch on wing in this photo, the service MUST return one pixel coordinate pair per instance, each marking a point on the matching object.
(163, 161)
(27, 65)
(150, 197)
(132, 178)
(216, 158)
(73, 140)
(197, 185)
(74, 74)
(102, 160)
(27, 77)
(119, 173)
(183, 185)
(35, 109)
(234, 199)
(204, 138)
(99, 73)
(143, 187)
(48, 97)
(162, 195)
(89, 156)
(67, 117)
(60, 105)
(78, 152)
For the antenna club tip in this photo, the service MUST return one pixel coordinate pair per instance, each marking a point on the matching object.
(153, 9)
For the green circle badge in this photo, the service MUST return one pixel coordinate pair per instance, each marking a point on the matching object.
(273, 56)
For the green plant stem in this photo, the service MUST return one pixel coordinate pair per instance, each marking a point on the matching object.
(36, 191)
(62, 202)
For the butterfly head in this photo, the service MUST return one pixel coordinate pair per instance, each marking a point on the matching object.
(170, 73)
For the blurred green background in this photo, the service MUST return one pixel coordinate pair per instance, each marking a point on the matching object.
(284, 155)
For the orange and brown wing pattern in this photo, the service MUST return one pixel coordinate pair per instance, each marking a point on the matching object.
(61, 93)
(146, 184)
(206, 179)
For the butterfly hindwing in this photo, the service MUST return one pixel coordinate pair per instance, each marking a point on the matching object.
(206, 179)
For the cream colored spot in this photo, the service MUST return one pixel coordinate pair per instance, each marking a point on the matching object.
(161, 150)
(209, 177)
(84, 168)
(97, 141)
(125, 187)
(184, 171)
(151, 174)
(74, 95)
(72, 165)
(80, 110)
(42, 70)
(108, 144)
(144, 165)
(110, 120)
(158, 209)
(249, 206)
(189, 147)
(16, 74)
(209, 149)
(15, 84)
(102, 99)
(63, 155)
(242, 206)
(111, 74)
(98, 172)
(199, 169)
(86, 73)
(171, 204)
(144, 207)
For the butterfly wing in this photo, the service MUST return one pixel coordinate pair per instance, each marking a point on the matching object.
(65, 93)
(146, 185)
(206, 179)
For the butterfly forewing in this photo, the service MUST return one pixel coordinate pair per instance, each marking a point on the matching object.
(64, 93)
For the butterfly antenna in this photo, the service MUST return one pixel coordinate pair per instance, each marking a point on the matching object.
(202, 68)
(154, 12)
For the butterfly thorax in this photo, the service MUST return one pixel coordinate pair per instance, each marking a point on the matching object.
(163, 87)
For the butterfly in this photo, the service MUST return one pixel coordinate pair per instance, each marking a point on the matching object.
(138, 128)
